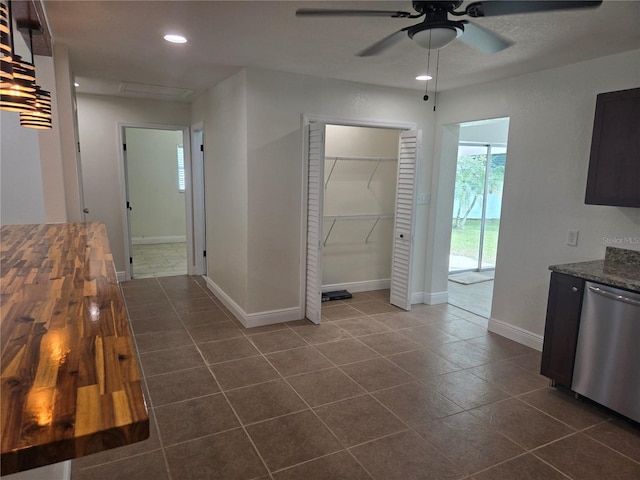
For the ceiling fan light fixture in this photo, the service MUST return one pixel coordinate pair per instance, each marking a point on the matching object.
(436, 38)
(173, 38)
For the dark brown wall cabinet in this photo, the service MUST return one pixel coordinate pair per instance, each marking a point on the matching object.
(561, 328)
(614, 164)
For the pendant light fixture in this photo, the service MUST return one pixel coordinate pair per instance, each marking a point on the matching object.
(17, 92)
(6, 62)
(40, 115)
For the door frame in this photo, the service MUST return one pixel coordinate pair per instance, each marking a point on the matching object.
(330, 120)
(199, 209)
(189, 198)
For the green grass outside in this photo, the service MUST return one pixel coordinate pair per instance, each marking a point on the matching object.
(465, 242)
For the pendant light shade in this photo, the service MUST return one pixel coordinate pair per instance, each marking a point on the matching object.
(17, 78)
(6, 62)
(18, 89)
(40, 117)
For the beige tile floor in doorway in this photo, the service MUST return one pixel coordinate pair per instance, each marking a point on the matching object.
(159, 260)
(372, 393)
(475, 298)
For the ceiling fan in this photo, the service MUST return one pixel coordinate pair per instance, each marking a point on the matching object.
(436, 29)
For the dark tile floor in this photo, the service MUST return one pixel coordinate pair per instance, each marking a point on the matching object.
(373, 392)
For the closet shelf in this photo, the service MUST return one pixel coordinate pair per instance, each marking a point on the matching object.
(378, 160)
(358, 217)
(364, 159)
(334, 219)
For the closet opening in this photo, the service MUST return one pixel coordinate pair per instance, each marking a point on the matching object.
(359, 198)
(361, 189)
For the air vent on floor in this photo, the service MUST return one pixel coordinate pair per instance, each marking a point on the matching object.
(156, 91)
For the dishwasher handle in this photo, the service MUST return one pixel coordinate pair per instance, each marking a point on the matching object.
(613, 296)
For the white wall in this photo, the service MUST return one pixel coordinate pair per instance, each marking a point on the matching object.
(158, 206)
(359, 187)
(53, 178)
(551, 120)
(276, 103)
(223, 110)
(22, 191)
(98, 118)
(21, 197)
(66, 123)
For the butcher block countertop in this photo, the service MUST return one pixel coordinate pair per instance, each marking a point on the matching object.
(70, 380)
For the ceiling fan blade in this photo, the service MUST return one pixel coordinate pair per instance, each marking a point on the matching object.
(320, 12)
(483, 40)
(387, 42)
(500, 7)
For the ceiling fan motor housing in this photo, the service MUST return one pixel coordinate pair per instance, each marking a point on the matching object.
(436, 30)
(431, 7)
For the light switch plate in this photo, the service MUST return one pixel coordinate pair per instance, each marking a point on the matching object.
(572, 238)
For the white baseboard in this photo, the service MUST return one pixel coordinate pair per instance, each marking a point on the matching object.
(154, 240)
(435, 298)
(122, 276)
(517, 334)
(273, 316)
(257, 319)
(353, 287)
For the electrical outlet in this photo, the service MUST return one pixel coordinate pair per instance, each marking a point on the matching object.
(572, 238)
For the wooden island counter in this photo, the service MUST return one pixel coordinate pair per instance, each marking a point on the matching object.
(70, 379)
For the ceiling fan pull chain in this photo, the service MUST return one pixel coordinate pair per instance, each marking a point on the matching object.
(435, 91)
(426, 85)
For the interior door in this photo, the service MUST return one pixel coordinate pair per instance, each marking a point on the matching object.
(408, 152)
(315, 199)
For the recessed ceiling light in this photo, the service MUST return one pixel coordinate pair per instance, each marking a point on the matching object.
(76, 84)
(424, 78)
(175, 38)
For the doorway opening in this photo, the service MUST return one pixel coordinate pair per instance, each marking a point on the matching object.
(360, 201)
(481, 160)
(155, 174)
(158, 190)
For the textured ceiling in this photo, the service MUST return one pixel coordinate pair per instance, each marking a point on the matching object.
(121, 41)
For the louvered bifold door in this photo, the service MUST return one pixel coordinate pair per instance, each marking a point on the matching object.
(315, 196)
(410, 143)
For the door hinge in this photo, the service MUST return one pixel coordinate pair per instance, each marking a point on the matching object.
(204, 253)
(124, 147)
(78, 147)
(131, 260)
(202, 148)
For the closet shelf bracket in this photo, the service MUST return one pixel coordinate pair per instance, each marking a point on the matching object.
(333, 220)
(330, 172)
(373, 174)
(329, 232)
(371, 231)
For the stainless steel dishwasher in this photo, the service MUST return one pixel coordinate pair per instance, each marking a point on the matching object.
(607, 363)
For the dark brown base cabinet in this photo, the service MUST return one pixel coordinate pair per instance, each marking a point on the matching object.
(561, 328)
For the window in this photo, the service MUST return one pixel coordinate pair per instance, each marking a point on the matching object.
(180, 168)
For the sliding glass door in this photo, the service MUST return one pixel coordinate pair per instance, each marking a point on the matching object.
(477, 205)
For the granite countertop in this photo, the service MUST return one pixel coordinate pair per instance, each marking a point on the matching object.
(620, 268)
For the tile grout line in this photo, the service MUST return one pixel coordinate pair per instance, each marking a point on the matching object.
(365, 392)
(222, 392)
